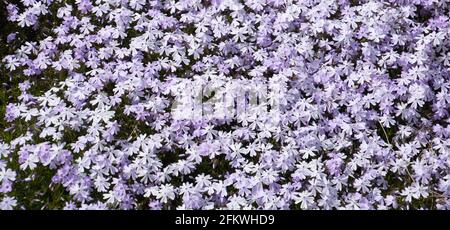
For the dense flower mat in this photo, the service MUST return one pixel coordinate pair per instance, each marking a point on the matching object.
(101, 104)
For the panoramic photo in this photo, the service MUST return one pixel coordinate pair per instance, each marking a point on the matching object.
(224, 105)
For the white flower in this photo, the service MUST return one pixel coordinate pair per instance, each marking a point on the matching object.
(7, 174)
(305, 199)
(164, 193)
(30, 162)
(8, 203)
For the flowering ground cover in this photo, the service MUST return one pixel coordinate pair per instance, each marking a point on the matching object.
(225, 104)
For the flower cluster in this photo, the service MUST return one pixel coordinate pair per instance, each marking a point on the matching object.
(355, 113)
